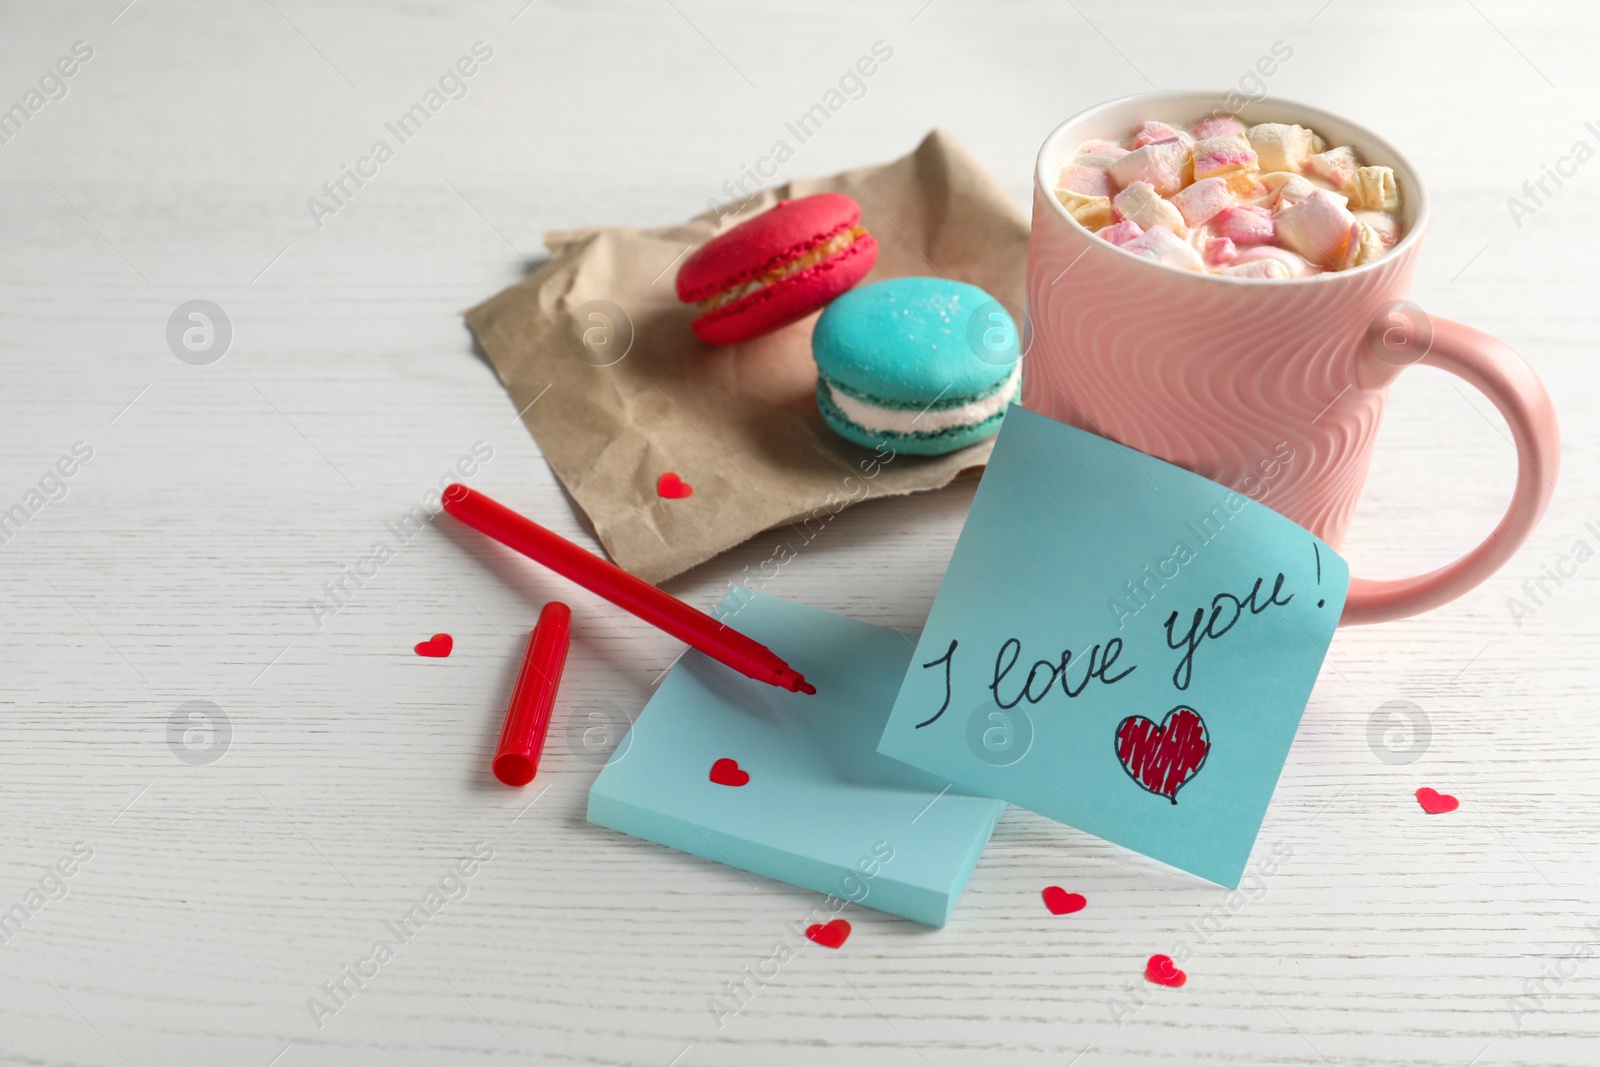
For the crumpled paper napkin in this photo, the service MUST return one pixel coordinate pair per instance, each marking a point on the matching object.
(597, 354)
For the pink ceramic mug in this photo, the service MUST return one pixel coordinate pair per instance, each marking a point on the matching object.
(1218, 374)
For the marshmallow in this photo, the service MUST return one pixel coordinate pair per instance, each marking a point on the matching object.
(1284, 189)
(1143, 205)
(1320, 228)
(1151, 132)
(1160, 245)
(1296, 189)
(1222, 156)
(1265, 193)
(1386, 225)
(1087, 181)
(1257, 268)
(1336, 166)
(1374, 187)
(1100, 148)
(1098, 154)
(1203, 200)
(1245, 186)
(1368, 246)
(1296, 266)
(1122, 232)
(1246, 224)
(1280, 146)
(1092, 212)
(1319, 182)
(1216, 126)
(1218, 251)
(1164, 165)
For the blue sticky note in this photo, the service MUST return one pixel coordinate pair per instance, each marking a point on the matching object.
(820, 807)
(1121, 645)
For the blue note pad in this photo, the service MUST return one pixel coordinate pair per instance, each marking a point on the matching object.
(1122, 646)
(821, 808)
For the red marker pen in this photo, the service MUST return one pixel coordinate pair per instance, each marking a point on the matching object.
(721, 642)
(516, 759)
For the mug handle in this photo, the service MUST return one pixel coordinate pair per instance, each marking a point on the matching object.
(1511, 385)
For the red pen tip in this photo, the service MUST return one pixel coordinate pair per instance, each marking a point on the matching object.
(792, 680)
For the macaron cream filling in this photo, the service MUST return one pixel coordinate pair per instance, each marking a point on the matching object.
(879, 418)
(810, 258)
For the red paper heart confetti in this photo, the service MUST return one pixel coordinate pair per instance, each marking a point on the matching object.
(438, 646)
(1163, 759)
(1162, 971)
(831, 934)
(726, 772)
(1061, 902)
(671, 487)
(1436, 803)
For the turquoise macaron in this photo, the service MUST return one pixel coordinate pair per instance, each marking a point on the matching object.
(922, 366)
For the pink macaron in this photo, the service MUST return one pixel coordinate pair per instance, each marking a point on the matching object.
(776, 268)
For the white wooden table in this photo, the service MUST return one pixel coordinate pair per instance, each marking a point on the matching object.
(220, 894)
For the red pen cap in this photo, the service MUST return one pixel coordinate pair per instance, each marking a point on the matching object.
(516, 758)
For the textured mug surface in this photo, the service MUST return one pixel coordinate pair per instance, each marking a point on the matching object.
(1274, 388)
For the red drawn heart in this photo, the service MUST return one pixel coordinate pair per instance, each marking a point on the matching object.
(1162, 759)
(829, 935)
(1061, 902)
(726, 772)
(672, 487)
(438, 646)
(1436, 803)
(1162, 971)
